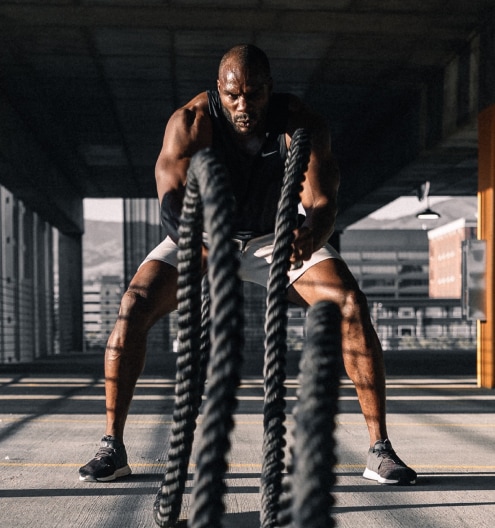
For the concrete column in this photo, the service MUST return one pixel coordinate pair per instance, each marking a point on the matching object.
(486, 194)
(70, 293)
(486, 221)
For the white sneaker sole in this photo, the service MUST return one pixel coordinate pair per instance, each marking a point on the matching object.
(121, 472)
(373, 475)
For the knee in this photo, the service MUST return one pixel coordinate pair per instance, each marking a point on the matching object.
(354, 305)
(136, 308)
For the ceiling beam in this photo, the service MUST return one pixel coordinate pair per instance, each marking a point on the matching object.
(444, 25)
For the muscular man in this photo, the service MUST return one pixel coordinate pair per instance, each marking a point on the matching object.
(251, 128)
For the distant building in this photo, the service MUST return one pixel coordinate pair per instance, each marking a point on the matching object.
(388, 263)
(101, 300)
(92, 314)
(445, 245)
(110, 294)
(422, 324)
(393, 268)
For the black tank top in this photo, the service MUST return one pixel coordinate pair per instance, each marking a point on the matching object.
(256, 180)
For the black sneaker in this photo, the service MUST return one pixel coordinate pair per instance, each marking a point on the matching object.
(386, 467)
(109, 463)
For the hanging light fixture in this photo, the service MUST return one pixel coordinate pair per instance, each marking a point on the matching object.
(423, 193)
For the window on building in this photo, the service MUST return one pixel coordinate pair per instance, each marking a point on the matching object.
(405, 331)
(352, 255)
(411, 268)
(408, 283)
(433, 331)
(404, 312)
(379, 255)
(379, 268)
(434, 311)
(413, 255)
(374, 283)
(460, 330)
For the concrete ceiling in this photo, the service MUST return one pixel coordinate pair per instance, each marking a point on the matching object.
(92, 84)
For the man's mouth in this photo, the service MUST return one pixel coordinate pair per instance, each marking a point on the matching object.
(244, 121)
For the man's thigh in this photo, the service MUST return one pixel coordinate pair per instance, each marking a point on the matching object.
(328, 280)
(155, 285)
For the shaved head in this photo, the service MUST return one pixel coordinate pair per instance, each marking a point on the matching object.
(244, 84)
(248, 58)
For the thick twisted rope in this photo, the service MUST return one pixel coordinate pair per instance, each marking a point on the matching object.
(205, 332)
(206, 190)
(226, 343)
(276, 330)
(187, 388)
(309, 487)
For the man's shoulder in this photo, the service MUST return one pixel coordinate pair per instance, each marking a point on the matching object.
(198, 104)
(194, 111)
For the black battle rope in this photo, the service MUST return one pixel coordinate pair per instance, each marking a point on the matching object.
(207, 189)
(205, 332)
(168, 503)
(312, 478)
(276, 330)
(227, 342)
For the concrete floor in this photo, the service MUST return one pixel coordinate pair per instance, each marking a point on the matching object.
(52, 417)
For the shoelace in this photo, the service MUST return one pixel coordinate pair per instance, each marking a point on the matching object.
(104, 452)
(390, 454)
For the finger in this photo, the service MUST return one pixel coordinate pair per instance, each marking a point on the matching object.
(296, 265)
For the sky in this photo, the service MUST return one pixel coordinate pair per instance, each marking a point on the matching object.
(108, 209)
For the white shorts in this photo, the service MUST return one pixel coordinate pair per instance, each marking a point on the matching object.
(255, 258)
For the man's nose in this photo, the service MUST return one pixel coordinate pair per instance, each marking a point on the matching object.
(241, 103)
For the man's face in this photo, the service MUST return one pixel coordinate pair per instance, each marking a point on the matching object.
(244, 96)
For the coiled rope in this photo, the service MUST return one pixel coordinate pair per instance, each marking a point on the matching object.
(208, 191)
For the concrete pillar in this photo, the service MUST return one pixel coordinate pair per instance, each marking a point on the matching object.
(486, 221)
(70, 306)
(486, 194)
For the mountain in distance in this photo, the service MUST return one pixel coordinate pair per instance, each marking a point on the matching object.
(450, 209)
(103, 249)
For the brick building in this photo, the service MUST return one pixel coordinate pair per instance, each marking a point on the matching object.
(445, 247)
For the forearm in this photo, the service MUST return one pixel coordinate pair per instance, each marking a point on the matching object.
(321, 224)
(170, 211)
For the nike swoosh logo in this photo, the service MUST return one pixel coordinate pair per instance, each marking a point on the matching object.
(265, 154)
